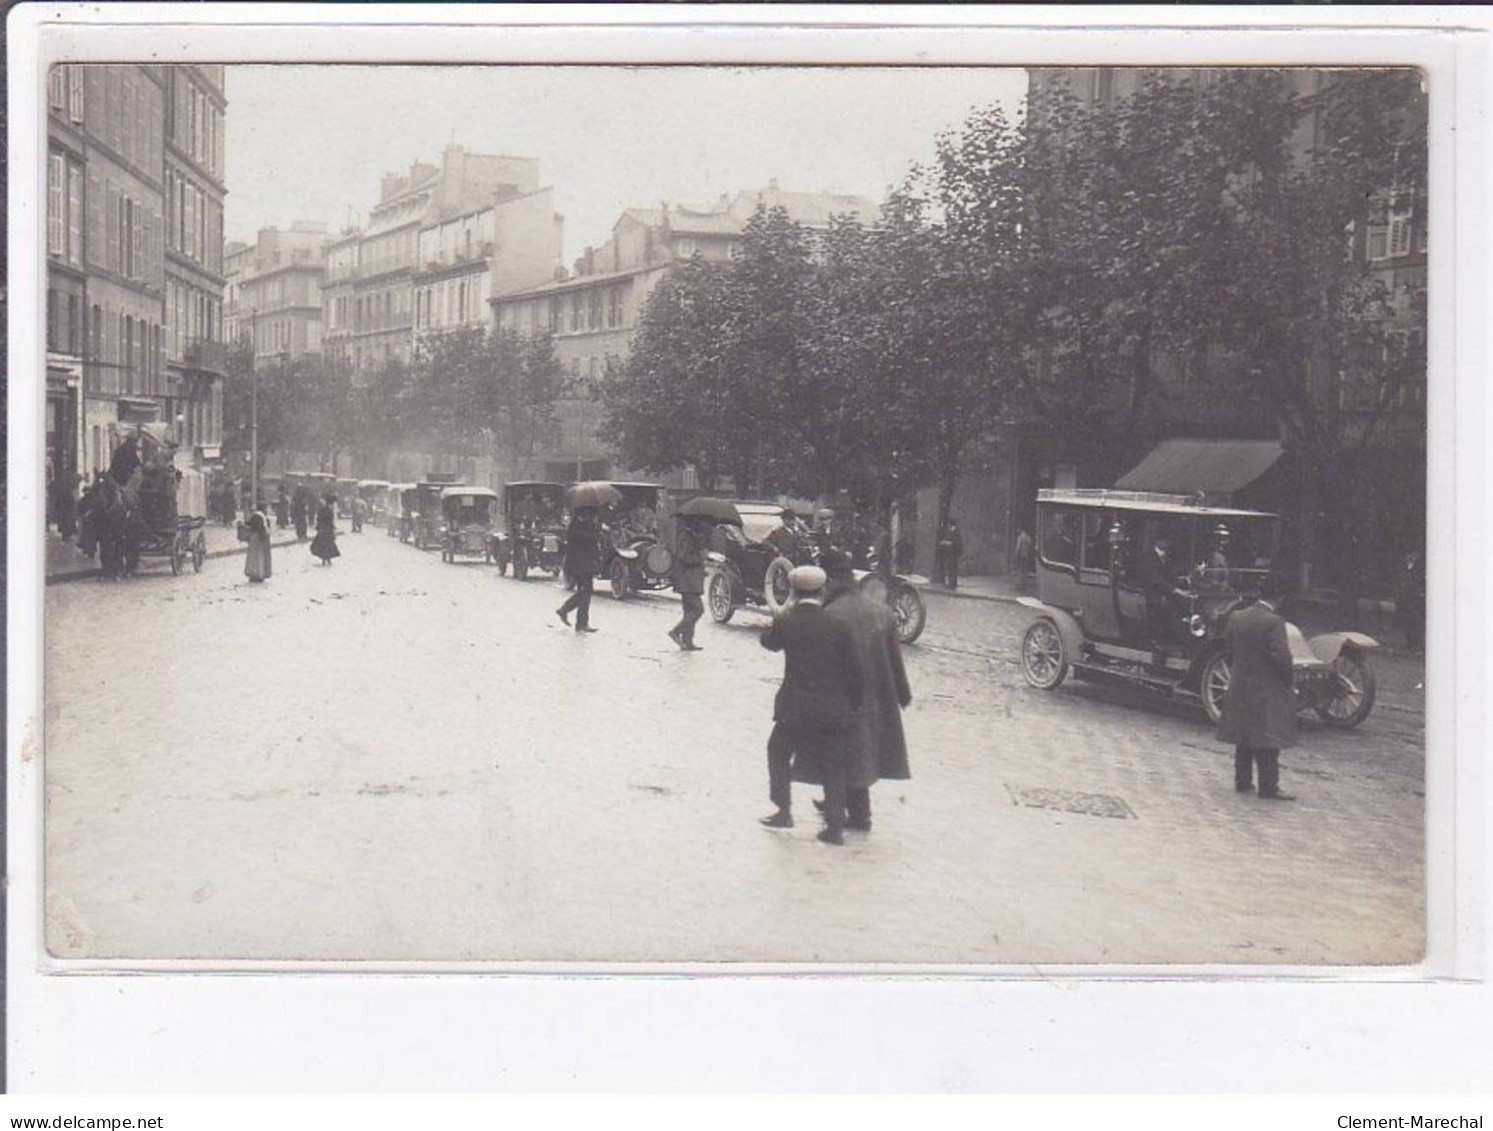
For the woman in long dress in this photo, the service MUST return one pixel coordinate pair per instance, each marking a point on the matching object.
(257, 562)
(324, 545)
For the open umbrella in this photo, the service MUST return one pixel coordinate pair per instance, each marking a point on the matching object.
(717, 510)
(595, 494)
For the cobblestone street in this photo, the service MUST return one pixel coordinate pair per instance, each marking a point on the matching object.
(396, 758)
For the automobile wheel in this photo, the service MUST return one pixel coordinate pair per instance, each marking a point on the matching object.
(775, 584)
(1218, 673)
(1353, 690)
(621, 579)
(907, 606)
(1044, 659)
(722, 603)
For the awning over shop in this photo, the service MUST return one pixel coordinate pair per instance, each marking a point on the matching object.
(1213, 467)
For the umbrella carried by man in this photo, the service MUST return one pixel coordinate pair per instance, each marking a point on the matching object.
(694, 521)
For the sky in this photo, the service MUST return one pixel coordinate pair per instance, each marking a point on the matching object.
(311, 142)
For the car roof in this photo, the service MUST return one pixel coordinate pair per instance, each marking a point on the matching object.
(373, 483)
(533, 483)
(1147, 502)
(469, 492)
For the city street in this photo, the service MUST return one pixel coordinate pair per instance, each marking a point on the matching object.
(399, 759)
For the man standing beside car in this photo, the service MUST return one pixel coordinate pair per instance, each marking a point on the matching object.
(1259, 707)
(689, 579)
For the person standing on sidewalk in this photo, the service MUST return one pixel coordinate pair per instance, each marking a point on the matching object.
(581, 555)
(689, 580)
(1259, 708)
(359, 510)
(822, 689)
(877, 747)
(950, 550)
(1024, 559)
(257, 535)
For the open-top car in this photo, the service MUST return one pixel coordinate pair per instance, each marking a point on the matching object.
(533, 534)
(749, 565)
(467, 518)
(634, 554)
(1137, 587)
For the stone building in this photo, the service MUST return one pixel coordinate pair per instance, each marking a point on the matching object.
(376, 323)
(594, 311)
(194, 188)
(134, 243)
(275, 290)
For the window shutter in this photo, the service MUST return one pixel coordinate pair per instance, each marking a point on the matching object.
(1399, 235)
(75, 214)
(111, 219)
(56, 207)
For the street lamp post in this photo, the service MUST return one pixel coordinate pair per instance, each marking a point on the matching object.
(253, 410)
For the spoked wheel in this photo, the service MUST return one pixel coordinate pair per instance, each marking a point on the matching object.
(177, 557)
(907, 606)
(199, 554)
(722, 604)
(1353, 691)
(1218, 673)
(621, 579)
(1044, 658)
(776, 584)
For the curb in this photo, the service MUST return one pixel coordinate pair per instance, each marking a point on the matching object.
(84, 574)
(970, 595)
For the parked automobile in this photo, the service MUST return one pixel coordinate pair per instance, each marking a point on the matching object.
(375, 492)
(533, 534)
(427, 522)
(467, 518)
(634, 553)
(402, 511)
(1092, 615)
(745, 568)
(346, 491)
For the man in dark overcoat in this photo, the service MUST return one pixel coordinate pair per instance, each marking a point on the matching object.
(689, 579)
(1259, 708)
(1158, 582)
(822, 690)
(582, 550)
(877, 747)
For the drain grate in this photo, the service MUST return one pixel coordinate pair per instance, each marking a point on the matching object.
(1071, 801)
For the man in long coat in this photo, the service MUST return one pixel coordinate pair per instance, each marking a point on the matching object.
(1259, 708)
(582, 554)
(689, 580)
(821, 692)
(876, 747)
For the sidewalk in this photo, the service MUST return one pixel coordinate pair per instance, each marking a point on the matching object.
(65, 562)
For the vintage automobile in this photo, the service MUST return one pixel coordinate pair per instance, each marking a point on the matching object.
(634, 550)
(402, 511)
(533, 534)
(427, 521)
(745, 568)
(1091, 615)
(375, 492)
(467, 516)
(346, 491)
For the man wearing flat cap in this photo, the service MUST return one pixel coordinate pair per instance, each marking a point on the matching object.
(821, 692)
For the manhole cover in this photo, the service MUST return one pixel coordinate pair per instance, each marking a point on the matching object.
(1070, 801)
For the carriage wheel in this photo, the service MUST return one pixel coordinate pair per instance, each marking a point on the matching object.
(176, 557)
(199, 554)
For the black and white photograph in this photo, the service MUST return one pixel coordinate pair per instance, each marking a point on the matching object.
(587, 515)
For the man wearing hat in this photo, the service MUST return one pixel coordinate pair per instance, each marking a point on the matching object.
(821, 692)
(876, 746)
(1259, 708)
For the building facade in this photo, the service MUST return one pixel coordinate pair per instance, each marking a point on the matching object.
(371, 291)
(274, 289)
(133, 290)
(195, 109)
(593, 313)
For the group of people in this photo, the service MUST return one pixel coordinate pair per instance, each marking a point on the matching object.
(256, 533)
(837, 717)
